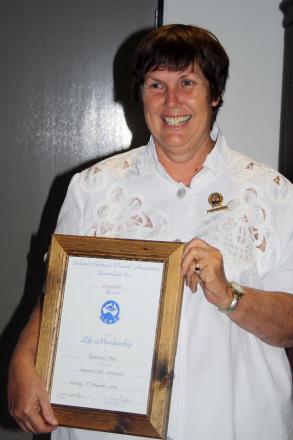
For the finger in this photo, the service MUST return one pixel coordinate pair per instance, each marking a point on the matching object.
(19, 416)
(32, 419)
(47, 412)
(29, 427)
(191, 278)
(197, 272)
(25, 424)
(22, 426)
(188, 262)
(193, 283)
(193, 255)
(189, 272)
(39, 425)
(44, 419)
(195, 242)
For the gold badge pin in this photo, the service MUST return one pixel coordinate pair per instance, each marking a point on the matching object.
(216, 201)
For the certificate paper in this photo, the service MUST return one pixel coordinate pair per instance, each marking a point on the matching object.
(107, 334)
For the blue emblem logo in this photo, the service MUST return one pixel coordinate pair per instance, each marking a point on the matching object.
(110, 312)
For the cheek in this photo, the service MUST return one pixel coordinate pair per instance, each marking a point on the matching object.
(149, 117)
(151, 104)
(147, 108)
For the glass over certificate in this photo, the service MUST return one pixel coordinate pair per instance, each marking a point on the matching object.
(109, 333)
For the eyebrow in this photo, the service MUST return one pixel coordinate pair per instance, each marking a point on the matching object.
(152, 78)
(182, 75)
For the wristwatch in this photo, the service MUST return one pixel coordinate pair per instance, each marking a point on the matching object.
(238, 292)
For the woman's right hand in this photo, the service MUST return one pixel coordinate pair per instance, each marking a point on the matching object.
(28, 399)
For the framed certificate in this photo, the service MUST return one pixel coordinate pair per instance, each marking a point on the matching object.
(109, 332)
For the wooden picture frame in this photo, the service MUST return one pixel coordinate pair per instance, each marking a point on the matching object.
(93, 250)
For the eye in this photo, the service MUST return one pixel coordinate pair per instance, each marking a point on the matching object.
(187, 83)
(154, 85)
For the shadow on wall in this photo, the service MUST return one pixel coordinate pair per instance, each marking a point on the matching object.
(123, 94)
(123, 89)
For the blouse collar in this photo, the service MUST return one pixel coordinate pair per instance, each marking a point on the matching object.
(211, 166)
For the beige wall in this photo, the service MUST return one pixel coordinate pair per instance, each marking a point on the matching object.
(252, 33)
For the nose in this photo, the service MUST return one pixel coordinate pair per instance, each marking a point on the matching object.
(171, 97)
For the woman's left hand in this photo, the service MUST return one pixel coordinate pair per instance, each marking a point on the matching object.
(202, 263)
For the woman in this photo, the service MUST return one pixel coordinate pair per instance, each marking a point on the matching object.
(232, 378)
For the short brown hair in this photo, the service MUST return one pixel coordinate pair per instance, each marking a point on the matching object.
(177, 46)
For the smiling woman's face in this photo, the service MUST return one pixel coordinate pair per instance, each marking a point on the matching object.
(178, 110)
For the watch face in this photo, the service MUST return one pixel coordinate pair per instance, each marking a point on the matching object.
(237, 287)
(238, 292)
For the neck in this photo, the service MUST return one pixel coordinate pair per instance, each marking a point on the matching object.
(184, 168)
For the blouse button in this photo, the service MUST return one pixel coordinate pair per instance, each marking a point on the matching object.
(181, 193)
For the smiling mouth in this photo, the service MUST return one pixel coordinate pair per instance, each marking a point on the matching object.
(176, 121)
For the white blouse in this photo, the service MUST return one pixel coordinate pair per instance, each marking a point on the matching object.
(229, 385)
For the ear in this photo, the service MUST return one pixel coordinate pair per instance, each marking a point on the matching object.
(215, 102)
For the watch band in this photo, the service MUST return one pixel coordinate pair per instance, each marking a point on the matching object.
(238, 292)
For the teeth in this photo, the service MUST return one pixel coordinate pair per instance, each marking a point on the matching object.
(176, 120)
